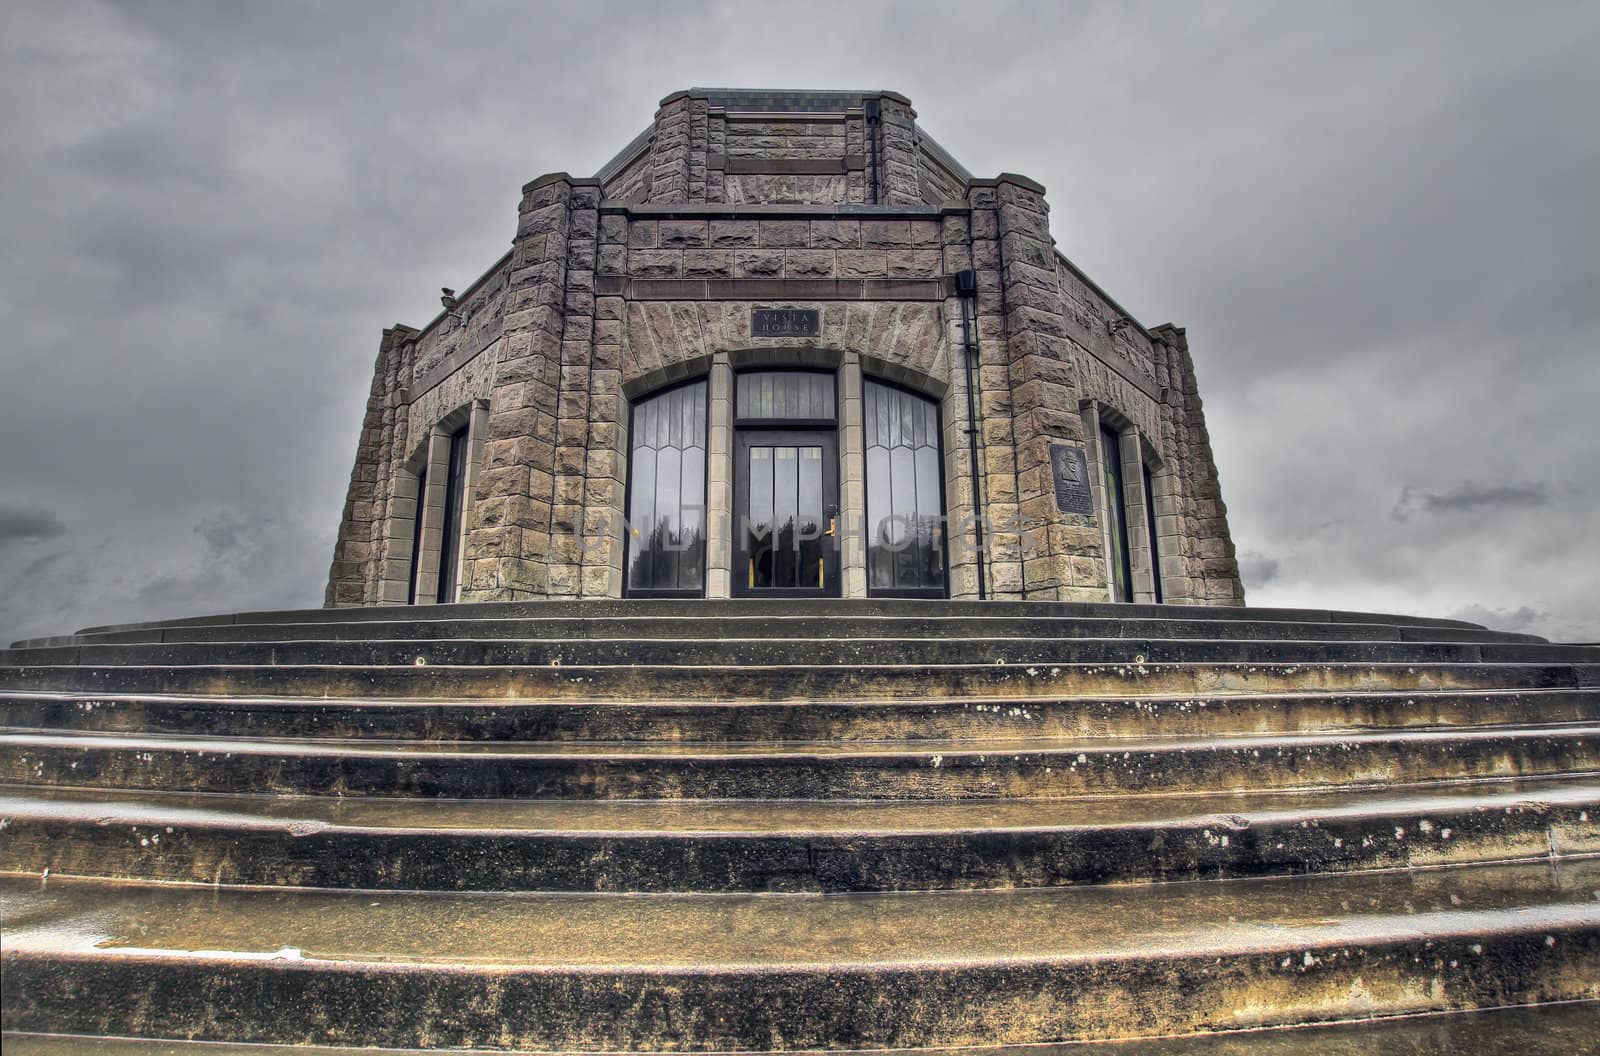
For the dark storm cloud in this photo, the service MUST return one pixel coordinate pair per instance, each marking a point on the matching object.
(1257, 570)
(1378, 223)
(28, 524)
(1469, 498)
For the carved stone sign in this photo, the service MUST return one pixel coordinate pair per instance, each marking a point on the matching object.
(1071, 472)
(785, 322)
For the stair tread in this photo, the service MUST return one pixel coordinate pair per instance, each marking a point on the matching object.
(1308, 917)
(357, 700)
(804, 626)
(642, 750)
(682, 609)
(686, 636)
(1232, 811)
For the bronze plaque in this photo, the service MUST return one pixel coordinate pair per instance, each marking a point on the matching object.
(1071, 472)
(785, 322)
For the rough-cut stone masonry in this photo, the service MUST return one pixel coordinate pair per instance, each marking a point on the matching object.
(646, 275)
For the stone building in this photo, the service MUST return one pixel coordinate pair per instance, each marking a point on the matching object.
(783, 344)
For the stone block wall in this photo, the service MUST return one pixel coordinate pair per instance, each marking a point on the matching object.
(647, 274)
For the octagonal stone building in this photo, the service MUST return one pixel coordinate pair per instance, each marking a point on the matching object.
(783, 344)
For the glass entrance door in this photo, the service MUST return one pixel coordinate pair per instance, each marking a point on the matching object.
(786, 513)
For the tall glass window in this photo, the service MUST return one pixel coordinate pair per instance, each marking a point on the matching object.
(666, 549)
(1150, 522)
(416, 532)
(905, 507)
(1116, 514)
(450, 539)
(784, 395)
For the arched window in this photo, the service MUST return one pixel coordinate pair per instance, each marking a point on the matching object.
(905, 492)
(666, 543)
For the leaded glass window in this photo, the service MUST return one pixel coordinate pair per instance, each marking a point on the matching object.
(905, 509)
(666, 549)
(784, 395)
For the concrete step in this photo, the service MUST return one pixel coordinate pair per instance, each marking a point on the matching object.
(792, 972)
(414, 624)
(757, 608)
(687, 651)
(800, 682)
(1564, 1028)
(592, 846)
(845, 720)
(775, 770)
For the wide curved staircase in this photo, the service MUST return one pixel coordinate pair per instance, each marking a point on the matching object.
(743, 826)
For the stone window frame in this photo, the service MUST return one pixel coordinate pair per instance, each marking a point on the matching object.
(1135, 453)
(777, 357)
(849, 368)
(418, 580)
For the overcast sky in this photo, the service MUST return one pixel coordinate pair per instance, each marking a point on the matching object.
(1379, 222)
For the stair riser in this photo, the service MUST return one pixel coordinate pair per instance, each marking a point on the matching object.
(306, 854)
(808, 627)
(1561, 1029)
(1077, 718)
(788, 1009)
(1023, 774)
(1012, 681)
(790, 652)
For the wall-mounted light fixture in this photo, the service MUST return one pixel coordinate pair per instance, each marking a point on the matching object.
(448, 299)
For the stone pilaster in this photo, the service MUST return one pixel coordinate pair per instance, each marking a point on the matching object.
(391, 578)
(961, 480)
(605, 468)
(1198, 530)
(716, 143)
(509, 544)
(855, 145)
(670, 149)
(1063, 557)
(430, 507)
(850, 534)
(573, 415)
(720, 520)
(1139, 506)
(699, 138)
(899, 182)
(997, 467)
(353, 554)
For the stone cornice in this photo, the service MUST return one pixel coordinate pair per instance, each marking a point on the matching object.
(720, 211)
(773, 289)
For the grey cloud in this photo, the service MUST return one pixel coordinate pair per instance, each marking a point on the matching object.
(20, 524)
(1522, 619)
(225, 531)
(1469, 498)
(1257, 570)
